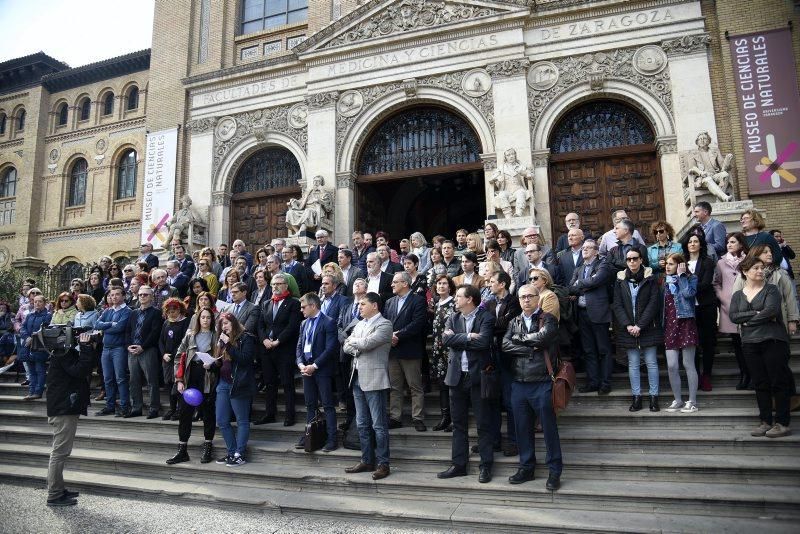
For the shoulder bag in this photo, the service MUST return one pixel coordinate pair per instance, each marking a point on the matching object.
(563, 382)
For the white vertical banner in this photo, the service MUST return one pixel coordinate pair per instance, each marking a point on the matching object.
(159, 185)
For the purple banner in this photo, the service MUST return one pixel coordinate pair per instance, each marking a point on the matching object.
(769, 108)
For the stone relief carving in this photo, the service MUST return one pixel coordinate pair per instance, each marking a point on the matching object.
(345, 180)
(220, 198)
(54, 155)
(309, 212)
(513, 184)
(649, 60)
(511, 67)
(298, 116)
(410, 87)
(595, 68)
(256, 123)
(542, 76)
(101, 146)
(350, 103)
(322, 100)
(198, 126)
(687, 44)
(667, 145)
(707, 169)
(226, 129)
(476, 83)
(410, 15)
(180, 225)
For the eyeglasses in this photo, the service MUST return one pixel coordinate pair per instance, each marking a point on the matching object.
(637, 258)
(661, 231)
(528, 297)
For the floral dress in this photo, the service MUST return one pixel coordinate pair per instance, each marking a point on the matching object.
(678, 333)
(444, 309)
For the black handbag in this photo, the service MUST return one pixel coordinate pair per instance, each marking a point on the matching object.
(316, 433)
(490, 383)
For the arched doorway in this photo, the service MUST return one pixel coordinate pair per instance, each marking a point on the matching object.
(603, 157)
(420, 170)
(263, 185)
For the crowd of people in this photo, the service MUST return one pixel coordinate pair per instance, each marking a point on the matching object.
(356, 321)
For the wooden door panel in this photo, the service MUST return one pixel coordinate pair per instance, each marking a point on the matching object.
(259, 220)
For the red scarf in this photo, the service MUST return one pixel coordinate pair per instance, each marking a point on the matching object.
(277, 298)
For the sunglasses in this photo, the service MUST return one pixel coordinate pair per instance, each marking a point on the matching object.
(661, 231)
(533, 278)
(637, 258)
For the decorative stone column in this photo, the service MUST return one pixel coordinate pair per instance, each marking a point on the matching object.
(220, 217)
(674, 207)
(201, 170)
(345, 206)
(322, 144)
(541, 161)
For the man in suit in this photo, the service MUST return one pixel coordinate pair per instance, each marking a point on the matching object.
(316, 355)
(278, 330)
(369, 345)
(469, 265)
(378, 281)
(571, 257)
(451, 261)
(349, 271)
(176, 278)
(324, 252)
(240, 264)
(146, 255)
(241, 250)
(533, 253)
(625, 241)
(222, 256)
(185, 263)
(468, 337)
(360, 250)
(590, 283)
(714, 230)
(572, 220)
(349, 316)
(245, 311)
(143, 330)
(387, 265)
(407, 312)
(295, 271)
(162, 290)
(331, 301)
(609, 239)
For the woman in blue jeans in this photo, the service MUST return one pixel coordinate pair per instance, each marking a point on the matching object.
(637, 301)
(235, 388)
(36, 360)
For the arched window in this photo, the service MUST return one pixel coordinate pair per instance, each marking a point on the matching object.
(133, 98)
(270, 168)
(419, 138)
(2, 123)
(260, 15)
(126, 175)
(598, 125)
(63, 109)
(108, 103)
(8, 183)
(77, 183)
(21, 120)
(86, 108)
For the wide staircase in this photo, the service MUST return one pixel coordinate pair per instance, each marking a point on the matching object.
(623, 472)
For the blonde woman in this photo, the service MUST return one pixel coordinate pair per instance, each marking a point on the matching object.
(548, 301)
(475, 244)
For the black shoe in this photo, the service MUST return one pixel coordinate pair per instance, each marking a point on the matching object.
(636, 404)
(176, 415)
(522, 475)
(485, 476)
(344, 427)
(222, 460)
(301, 444)
(208, 450)
(497, 447)
(235, 461)
(453, 471)
(744, 383)
(394, 423)
(135, 413)
(168, 415)
(654, 403)
(511, 449)
(553, 482)
(180, 456)
(444, 423)
(26, 383)
(62, 501)
(104, 411)
(152, 414)
(419, 426)
(604, 390)
(267, 419)
(198, 416)
(587, 389)
(119, 412)
(474, 449)
(71, 494)
(288, 422)
(330, 447)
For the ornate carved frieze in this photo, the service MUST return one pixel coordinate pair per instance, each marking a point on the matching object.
(322, 100)
(345, 180)
(667, 145)
(410, 87)
(410, 15)
(541, 158)
(489, 161)
(597, 69)
(199, 126)
(508, 68)
(687, 44)
(220, 198)
(255, 123)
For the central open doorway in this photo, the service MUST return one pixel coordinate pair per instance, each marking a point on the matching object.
(420, 171)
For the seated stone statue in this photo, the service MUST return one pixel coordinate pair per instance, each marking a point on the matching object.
(709, 169)
(306, 213)
(180, 223)
(511, 183)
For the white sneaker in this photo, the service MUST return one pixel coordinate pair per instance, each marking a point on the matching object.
(689, 407)
(674, 407)
(6, 368)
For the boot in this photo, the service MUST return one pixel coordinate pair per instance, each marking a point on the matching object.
(208, 450)
(744, 381)
(444, 404)
(180, 456)
(636, 404)
(654, 403)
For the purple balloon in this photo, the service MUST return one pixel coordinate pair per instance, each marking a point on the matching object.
(192, 397)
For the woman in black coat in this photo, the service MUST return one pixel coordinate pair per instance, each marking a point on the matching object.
(636, 307)
(695, 250)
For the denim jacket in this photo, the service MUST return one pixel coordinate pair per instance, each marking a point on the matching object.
(684, 298)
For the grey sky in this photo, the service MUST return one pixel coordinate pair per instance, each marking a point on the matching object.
(75, 31)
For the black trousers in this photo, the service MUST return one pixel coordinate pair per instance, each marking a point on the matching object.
(706, 317)
(197, 375)
(461, 397)
(768, 363)
(596, 345)
(278, 369)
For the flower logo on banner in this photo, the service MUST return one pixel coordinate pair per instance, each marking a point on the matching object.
(775, 166)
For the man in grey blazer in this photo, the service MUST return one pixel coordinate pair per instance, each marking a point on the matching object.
(369, 345)
(247, 313)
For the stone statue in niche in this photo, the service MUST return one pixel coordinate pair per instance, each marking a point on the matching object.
(510, 182)
(709, 169)
(306, 213)
(179, 225)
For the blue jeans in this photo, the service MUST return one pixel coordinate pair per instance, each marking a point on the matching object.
(37, 375)
(371, 412)
(239, 406)
(527, 399)
(115, 376)
(634, 360)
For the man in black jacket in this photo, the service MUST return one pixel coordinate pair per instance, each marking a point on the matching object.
(67, 399)
(625, 241)
(144, 328)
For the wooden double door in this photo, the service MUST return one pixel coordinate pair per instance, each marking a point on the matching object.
(257, 218)
(592, 183)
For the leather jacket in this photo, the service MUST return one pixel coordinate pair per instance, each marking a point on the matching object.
(525, 349)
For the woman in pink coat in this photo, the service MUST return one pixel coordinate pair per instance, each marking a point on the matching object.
(725, 276)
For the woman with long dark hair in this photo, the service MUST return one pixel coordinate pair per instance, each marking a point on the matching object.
(172, 334)
(443, 307)
(726, 275)
(196, 287)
